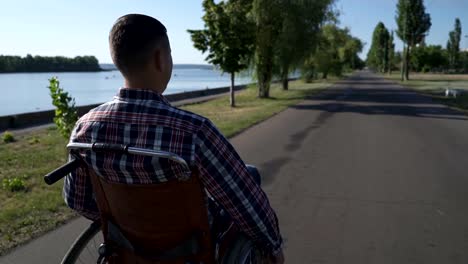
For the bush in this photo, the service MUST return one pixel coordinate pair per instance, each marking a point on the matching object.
(14, 184)
(33, 140)
(426, 69)
(8, 137)
(66, 113)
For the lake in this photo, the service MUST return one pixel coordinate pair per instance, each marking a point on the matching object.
(28, 92)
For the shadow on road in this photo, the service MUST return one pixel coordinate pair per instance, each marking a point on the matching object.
(402, 110)
(375, 96)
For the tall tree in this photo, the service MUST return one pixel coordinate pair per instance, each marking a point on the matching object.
(453, 45)
(378, 56)
(228, 36)
(300, 21)
(336, 50)
(267, 27)
(349, 51)
(413, 25)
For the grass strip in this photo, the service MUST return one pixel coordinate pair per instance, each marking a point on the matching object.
(434, 85)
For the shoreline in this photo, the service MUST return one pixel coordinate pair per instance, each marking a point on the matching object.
(40, 118)
(21, 72)
(28, 120)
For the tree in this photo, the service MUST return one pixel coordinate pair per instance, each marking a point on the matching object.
(267, 29)
(336, 51)
(228, 36)
(348, 52)
(428, 58)
(453, 45)
(300, 21)
(413, 24)
(379, 53)
(66, 113)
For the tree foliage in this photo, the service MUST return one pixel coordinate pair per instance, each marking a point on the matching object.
(48, 64)
(267, 16)
(453, 45)
(300, 24)
(429, 58)
(336, 51)
(66, 113)
(413, 24)
(228, 37)
(378, 56)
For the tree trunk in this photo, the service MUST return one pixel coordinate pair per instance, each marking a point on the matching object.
(407, 62)
(264, 79)
(403, 58)
(264, 89)
(324, 75)
(232, 98)
(284, 78)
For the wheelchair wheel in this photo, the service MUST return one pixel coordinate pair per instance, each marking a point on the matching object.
(243, 251)
(85, 248)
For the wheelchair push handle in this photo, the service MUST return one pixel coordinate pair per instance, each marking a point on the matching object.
(75, 147)
(61, 171)
(125, 149)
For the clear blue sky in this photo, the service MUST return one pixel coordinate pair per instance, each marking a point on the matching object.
(71, 28)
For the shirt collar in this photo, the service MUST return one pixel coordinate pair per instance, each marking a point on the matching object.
(126, 94)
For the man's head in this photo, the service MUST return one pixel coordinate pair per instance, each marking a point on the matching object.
(141, 51)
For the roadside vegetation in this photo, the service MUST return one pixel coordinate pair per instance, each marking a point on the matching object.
(436, 85)
(439, 72)
(418, 56)
(278, 38)
(30, 207)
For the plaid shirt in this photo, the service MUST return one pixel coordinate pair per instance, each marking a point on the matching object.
(145, 119)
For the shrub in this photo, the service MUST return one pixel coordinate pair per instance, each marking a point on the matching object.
(8, 137)
(13, 184)
(66, 113)
(33, 140)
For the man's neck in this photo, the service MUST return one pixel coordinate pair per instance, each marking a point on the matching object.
(144, 85)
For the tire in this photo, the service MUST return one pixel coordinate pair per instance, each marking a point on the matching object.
(242, 252)
(85, 246)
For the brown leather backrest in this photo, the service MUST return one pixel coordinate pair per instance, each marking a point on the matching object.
(156, 217)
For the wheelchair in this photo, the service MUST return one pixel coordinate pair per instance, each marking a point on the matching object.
(179, 233)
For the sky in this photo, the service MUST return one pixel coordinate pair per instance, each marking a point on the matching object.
(73, 28)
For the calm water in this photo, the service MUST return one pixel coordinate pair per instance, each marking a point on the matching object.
(28, 92)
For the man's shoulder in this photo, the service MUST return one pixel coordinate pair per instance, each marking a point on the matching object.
(149, 113)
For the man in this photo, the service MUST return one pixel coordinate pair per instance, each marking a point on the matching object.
(140, 116)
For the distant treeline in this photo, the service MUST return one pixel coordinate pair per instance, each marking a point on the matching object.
(48, 64)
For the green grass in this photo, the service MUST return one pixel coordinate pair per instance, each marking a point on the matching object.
(434, 85)
(249, 109)
(37, 208)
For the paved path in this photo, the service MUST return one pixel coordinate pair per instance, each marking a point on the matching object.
(368, 172)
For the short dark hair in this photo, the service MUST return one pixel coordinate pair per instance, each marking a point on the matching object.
(132, 38)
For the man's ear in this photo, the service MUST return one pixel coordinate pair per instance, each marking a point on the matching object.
(157, 60)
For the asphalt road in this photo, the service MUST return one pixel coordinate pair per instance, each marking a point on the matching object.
(367, 172)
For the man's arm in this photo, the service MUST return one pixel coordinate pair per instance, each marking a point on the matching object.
(78, 194)
(226, 178)
(77, 189)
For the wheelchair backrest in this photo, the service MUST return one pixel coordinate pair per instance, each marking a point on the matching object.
(154, 223)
